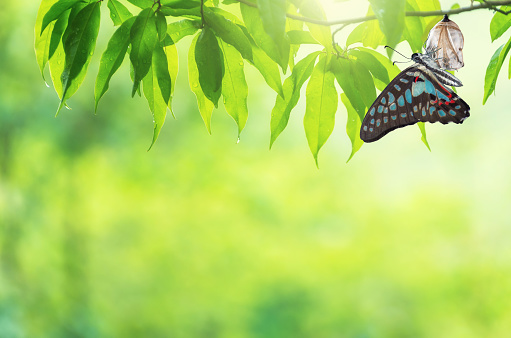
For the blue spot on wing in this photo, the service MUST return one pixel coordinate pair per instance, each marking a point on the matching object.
(441, 113)
(418, 88)
(430, 88)
(403, 115)
(401, 101)
(431, 110)
(391, 97)
(452, 112)
(371, 112)
(408, 95)
(397, 87)
(393, 106)
(383, 101)
(380, 109)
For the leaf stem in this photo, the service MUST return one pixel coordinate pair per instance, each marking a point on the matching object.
(492, 5)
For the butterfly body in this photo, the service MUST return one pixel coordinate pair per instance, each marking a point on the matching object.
(420, 93)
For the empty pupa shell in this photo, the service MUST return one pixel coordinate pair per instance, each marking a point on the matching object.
(445, 44)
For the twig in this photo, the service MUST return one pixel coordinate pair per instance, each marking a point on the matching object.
(484, 5)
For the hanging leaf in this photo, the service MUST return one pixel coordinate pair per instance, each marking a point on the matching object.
(42, 38)
(144, 4)
(283, 105)
(413, 28)
(273, 18)
(58, 30)
(372, 64)
(79, 42)
(500, 23)
(342, 70)
(112, 58)
(234, 86)
(180, 29)
(210, 63)
(352, 126)
(157, 88)
(56, 11)
(391, 16)
(321, 33)
(230, 33)
(173, 66)
(144, 38)
(118, 12)
(321, 106)
(161, 26)
(278, 53)
(493, 69)
(205, 105)
(424, 140)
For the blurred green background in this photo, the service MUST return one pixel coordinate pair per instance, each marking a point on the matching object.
(204, 237)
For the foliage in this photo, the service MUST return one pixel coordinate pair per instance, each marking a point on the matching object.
(230, 34)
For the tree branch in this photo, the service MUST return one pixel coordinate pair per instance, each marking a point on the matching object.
(484, 5)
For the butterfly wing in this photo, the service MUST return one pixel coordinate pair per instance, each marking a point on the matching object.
(415, 95)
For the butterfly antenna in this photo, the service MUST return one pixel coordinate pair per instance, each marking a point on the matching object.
(394, 63)
(398, 52)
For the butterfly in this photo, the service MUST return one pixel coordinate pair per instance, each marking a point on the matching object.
(420, 93)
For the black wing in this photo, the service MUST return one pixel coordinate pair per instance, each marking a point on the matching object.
(415, 95)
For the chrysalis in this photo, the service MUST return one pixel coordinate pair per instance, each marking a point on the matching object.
(445, 44)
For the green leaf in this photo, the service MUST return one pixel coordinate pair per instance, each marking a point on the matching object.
(42, 39)
(79, 43)
(273, 18)
(321, 33)
(372, 64)
(205, 105)
(369, 33)
(162, 74)
(321, 106)
(57, 32)
(230, 33)
(292, 85)
(499, 23)
(493, 69)
(156, 102)
(161, 26)
(181, 12)
(179, 29)
(184, 4)
(144, 4)
(343, 72)
(268, 69)
(429, 22)
(118, 12)
(112, 58)
(234, 86)
(391, 16)
(210, 63)
(363, 82)
(278, 53)
(392, 70)
(56, 11)
(173, 66)
(413, 28)
(144, 38)
(353, 125)
(301, 37)
(422, 128)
